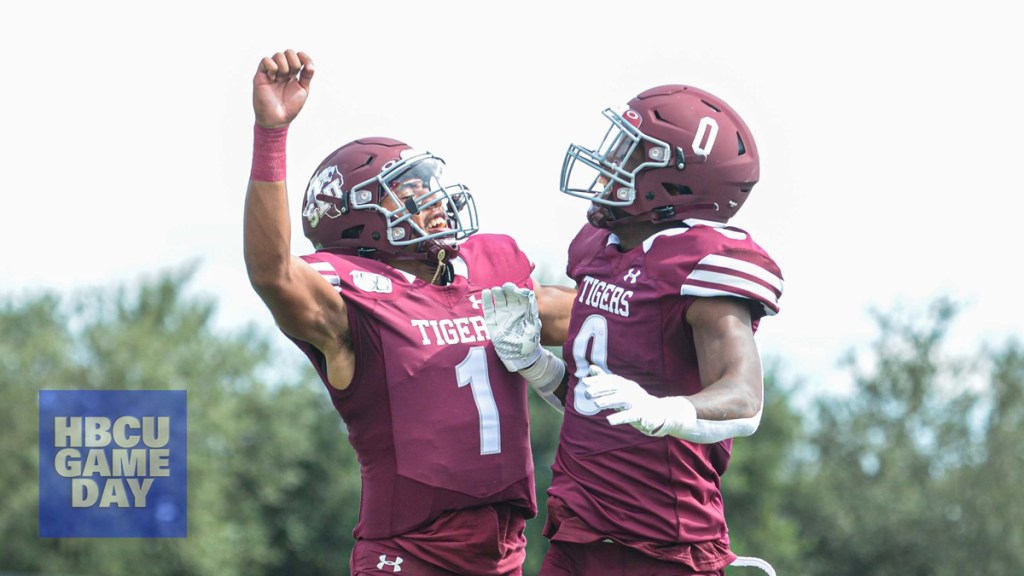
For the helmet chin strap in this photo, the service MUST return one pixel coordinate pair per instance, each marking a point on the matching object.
(610, 218)
(441, 266)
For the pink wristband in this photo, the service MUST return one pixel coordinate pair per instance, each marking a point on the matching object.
(268, 154)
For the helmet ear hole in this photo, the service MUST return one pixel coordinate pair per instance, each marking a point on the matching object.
(353, 232)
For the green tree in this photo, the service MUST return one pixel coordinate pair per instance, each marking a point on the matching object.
(755, 485)
(876, 496)
(545, 425)
(35, 351)
(273, 484)
(984, 496)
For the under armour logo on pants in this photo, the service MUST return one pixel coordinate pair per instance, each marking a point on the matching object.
(396, 564)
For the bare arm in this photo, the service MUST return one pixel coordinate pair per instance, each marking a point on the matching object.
(730, 365)
(554, 304)
(303, 304)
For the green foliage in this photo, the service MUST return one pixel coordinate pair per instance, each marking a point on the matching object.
(34, 351)
(898, 482)
(984, 498)
(545, 425)
(273, 485)
(755, 485)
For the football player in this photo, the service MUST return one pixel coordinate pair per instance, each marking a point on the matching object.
(663, 371)
(388, 310)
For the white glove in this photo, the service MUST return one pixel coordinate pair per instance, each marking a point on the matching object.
(672, 415)
(511, 316)
(651, 415)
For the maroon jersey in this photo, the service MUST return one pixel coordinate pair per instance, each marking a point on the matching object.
(630, 318)
(436, 420)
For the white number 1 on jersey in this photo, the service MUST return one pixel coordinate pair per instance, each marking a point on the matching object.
(473, 371)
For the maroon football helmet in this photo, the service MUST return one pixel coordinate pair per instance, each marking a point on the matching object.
(362, 198)
(677, 152)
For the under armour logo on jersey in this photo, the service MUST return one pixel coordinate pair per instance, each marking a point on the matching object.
(632, 275)
(396, 564)
(476, 302)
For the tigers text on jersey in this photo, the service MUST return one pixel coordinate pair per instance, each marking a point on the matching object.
(604, 296)
(452, 330)
(630, 317)
(436, 420)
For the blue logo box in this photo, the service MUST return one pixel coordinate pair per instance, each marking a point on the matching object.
(113, 464)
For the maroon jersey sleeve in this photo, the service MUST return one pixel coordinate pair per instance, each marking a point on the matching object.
(493, 259)
(708, 261)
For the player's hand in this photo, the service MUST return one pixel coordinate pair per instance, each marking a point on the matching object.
(634, 406)
(514, 324)
(280, 87)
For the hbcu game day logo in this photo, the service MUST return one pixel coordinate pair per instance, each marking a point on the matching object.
(112, 464)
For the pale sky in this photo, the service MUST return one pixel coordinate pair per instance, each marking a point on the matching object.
(889, 137)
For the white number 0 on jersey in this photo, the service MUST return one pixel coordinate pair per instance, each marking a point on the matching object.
(594, 329)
